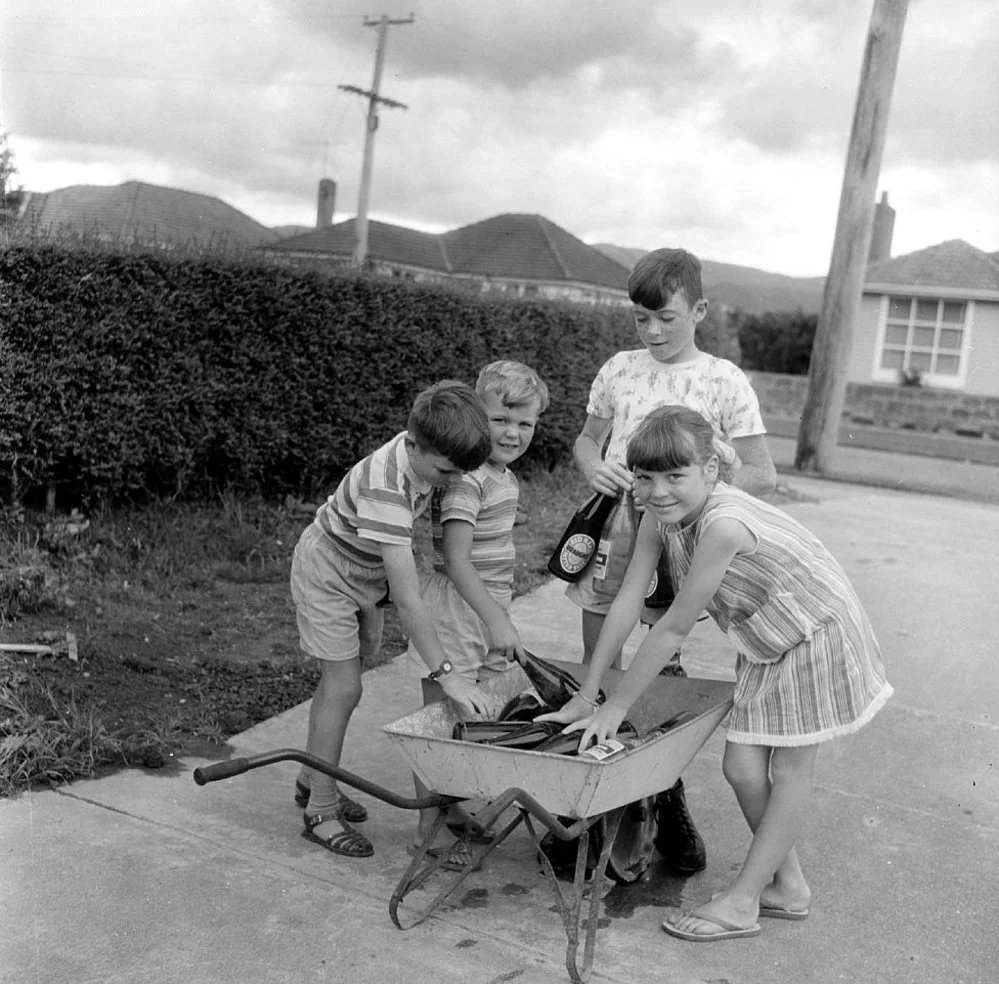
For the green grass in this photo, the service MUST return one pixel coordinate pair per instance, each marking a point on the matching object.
(183, 623)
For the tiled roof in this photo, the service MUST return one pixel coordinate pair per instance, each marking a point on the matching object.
(144, 211)
(519, 247)
(954, 264)
(529, 247)
(390, 243)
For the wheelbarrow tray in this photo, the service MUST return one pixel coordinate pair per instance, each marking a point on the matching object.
(577, 787)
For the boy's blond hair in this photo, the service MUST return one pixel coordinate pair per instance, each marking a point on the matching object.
(514, 383)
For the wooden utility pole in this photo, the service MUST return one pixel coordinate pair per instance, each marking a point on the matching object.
(841, 300)
(374, 100)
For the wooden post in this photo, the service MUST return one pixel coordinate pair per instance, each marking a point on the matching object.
(374, 101)
(827, 371)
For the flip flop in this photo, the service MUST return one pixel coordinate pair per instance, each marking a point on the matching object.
(726, 931)
(779, 912)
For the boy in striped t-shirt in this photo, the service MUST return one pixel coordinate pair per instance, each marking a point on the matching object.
(356, 553)
(471, 585)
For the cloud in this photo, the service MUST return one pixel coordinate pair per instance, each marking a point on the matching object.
(718, 124)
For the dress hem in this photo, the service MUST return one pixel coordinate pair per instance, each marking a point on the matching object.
(815, 737)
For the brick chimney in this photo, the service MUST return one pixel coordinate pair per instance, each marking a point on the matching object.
(327, 200)
(882, 230)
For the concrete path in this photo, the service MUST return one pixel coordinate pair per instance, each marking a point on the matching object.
(146, 877)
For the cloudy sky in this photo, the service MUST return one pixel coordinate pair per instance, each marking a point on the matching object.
(719, 125)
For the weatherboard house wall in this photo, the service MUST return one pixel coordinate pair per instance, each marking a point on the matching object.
(933, 314)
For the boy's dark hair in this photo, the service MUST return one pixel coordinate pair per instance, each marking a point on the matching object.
(515, 384)
(448, 419)
(658, 275)
(670, 438)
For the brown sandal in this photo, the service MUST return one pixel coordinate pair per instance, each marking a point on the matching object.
(348, 842)
(352, 811)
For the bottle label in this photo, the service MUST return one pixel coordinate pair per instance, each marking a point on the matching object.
(653, 584)
(604, 750)
(600, 564)
(576, 553)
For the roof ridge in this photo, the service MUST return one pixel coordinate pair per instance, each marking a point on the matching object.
(541, 221)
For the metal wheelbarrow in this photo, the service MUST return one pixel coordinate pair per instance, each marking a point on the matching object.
(565, 795)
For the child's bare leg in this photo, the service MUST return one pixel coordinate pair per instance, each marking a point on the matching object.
(788, 887)
(592, 624)
(774, 792)
(337, 694)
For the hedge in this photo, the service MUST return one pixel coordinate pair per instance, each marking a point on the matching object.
(127, 374)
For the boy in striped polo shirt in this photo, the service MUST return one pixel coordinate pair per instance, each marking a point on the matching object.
(471, 585)
(356, 553)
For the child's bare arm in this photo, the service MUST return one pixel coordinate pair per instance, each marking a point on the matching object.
(602, 476)
(503, 634)
(757, 474)
(404, 585)
(719, 543)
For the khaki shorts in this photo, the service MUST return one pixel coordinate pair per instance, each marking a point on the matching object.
(463, 635)
(336, 600)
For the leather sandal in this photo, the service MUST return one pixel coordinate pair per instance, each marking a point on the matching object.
(348, 842)
(352, 811)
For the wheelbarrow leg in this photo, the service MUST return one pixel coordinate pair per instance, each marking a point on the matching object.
(421, 869)
(571, 908)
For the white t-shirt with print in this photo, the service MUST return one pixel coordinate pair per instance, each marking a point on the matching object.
(630, 385)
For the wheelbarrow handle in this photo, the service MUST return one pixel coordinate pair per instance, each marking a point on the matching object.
(221, 770)
(235, 767)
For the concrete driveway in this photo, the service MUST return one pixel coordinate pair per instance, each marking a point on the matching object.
(145, 876)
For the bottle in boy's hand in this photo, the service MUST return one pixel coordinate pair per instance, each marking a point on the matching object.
(579, 541)
(615, 548)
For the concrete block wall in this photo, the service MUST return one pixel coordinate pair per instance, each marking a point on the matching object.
(916, 408)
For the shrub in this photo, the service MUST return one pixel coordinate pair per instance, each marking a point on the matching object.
(135, 374)
(777, 341)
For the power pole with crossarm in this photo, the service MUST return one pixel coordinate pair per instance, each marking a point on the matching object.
(374, 100)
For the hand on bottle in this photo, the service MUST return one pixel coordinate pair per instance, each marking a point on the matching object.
(602, 724)
(610, 478)
(576, 710)
(464, 693)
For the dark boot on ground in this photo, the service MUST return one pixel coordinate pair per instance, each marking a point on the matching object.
(677, 839)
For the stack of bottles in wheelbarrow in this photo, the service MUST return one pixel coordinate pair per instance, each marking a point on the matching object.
(515, 726)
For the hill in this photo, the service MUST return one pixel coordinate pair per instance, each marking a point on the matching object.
(754, 291)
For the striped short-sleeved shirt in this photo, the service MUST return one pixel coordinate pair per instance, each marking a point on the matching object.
(375, 504)
(486, 498)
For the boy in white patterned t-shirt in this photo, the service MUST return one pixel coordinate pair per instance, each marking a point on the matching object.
(668, 303)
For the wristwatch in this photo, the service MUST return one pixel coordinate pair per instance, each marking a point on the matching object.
(443, 670)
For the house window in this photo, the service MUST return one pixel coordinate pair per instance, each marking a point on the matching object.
(924, 335)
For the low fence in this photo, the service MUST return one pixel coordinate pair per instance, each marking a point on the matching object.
(916, 408)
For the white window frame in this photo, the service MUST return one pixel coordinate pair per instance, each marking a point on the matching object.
(936, 380)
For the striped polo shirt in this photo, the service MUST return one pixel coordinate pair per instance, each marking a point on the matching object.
(486, 498)
(375, 504)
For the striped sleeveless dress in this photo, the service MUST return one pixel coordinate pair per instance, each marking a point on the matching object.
(808, 667)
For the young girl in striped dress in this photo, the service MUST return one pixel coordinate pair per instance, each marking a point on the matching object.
(808, 667)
